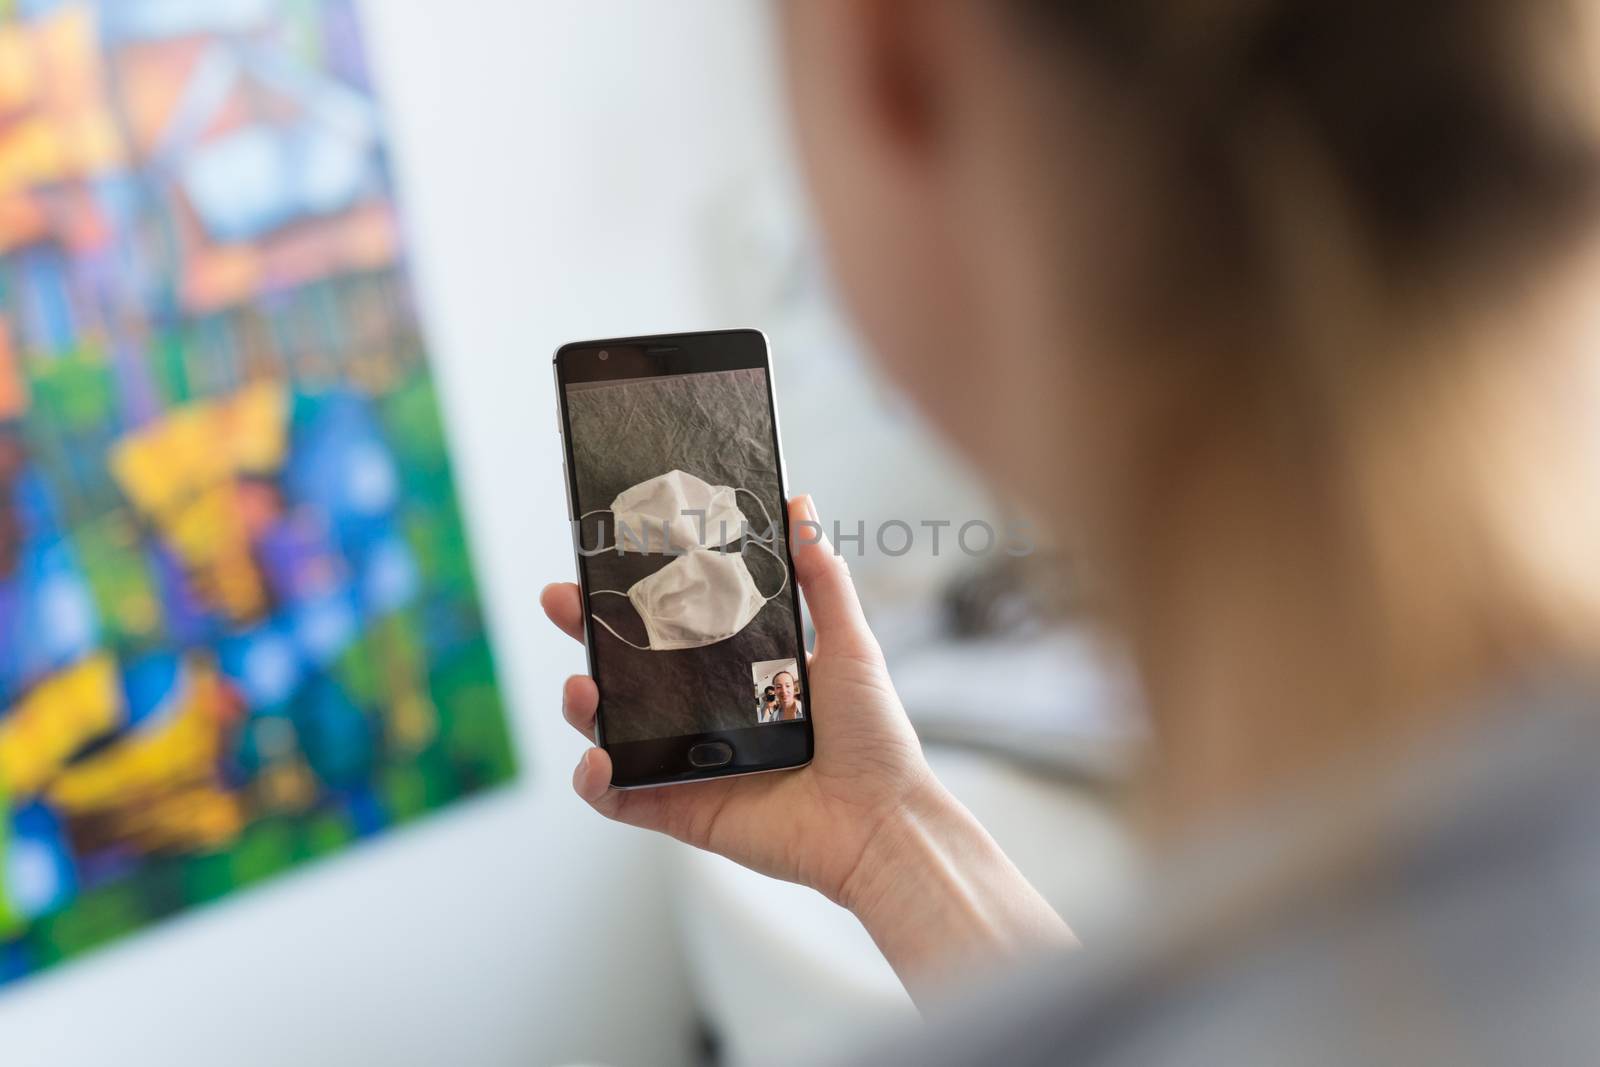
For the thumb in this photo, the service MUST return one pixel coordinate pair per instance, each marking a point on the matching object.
(825, 580)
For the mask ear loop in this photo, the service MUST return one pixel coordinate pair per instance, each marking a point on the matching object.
(608, 626)
(781, 563)
(772, 532)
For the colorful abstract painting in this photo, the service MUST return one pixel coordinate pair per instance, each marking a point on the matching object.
(238, 624)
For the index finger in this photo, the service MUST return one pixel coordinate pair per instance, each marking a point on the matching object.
(561, 603)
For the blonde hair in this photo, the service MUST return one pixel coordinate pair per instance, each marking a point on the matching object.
(1455, 130)
(1376, 201)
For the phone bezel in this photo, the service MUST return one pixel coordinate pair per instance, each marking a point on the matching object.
(665, 761)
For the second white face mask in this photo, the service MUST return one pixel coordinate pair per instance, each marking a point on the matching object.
(696, 600)
(692, 512)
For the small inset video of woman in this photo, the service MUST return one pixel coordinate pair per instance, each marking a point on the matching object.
(778, 697)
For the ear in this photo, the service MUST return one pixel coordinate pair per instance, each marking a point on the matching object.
(887, 65)
(892, 124)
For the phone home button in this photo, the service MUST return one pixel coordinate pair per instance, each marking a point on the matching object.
(711, 754)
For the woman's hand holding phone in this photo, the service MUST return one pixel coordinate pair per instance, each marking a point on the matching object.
(866, 823)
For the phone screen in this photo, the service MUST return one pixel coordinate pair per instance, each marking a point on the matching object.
(683, 547)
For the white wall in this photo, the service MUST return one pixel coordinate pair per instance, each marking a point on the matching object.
(555, 161)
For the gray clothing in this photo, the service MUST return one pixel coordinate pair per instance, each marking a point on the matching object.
(1445, 911)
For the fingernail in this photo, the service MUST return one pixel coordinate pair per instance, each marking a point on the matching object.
(580, 776)
(591, 786)
(811, 509)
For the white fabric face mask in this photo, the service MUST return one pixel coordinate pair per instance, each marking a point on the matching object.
(694, 514)
(696, 600)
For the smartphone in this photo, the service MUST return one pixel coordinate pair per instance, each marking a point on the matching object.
(676, 500)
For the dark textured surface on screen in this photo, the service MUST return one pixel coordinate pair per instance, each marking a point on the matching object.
(717, 427)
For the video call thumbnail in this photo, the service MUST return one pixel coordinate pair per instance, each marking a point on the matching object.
(778, 695)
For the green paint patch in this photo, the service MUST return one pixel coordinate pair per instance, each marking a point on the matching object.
(93, 919)
(76, 392)
(405, 792)
(113, 563)
(325, 834)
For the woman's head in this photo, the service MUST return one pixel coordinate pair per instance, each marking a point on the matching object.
(1200, 276)
(1022, 195)
(784, 688)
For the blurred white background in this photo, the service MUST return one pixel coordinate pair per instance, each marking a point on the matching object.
(568, 169)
